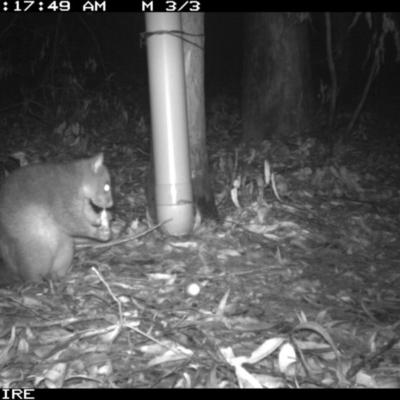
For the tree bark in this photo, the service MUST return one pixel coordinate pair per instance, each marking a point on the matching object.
(277, 88)
(193, 48)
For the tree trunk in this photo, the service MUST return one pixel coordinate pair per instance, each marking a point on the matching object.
(341, 48)
(193, 23)
(277, 93)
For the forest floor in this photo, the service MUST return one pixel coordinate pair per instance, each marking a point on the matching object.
(297, 285)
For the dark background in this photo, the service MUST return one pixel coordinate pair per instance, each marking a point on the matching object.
(38, 49)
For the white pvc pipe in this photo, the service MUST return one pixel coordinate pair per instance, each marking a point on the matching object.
(173, 189)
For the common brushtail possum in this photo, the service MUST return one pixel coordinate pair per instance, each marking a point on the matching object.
(43, 207)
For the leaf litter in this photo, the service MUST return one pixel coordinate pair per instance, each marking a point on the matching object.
(297, 286)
